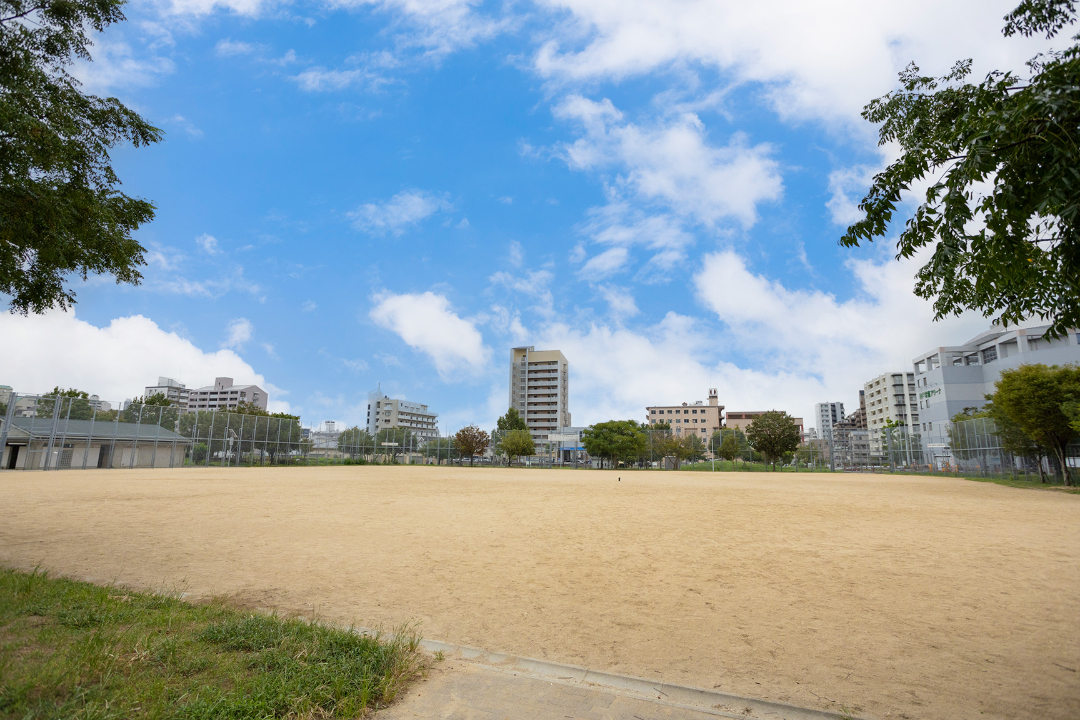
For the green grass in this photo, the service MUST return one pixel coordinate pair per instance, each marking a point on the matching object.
(741, 466)
(1031, 482)
(75, 650)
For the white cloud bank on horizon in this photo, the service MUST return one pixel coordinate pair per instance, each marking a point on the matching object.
(426, 322)
(114, 362)
(766, 347)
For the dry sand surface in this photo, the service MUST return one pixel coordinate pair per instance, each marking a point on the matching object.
(898, 597)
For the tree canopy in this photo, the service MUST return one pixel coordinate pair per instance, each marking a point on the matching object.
(1034, 398)
(60, 210)
(1002, 212)
(471, 441)
(615, 440)
(773, 434)
(518, 443)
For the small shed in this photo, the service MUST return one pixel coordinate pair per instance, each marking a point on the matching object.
(55, 444)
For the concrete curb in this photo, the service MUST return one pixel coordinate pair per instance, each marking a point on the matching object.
(647, 689)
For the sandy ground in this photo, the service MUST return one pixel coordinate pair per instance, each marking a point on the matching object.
(899, 597)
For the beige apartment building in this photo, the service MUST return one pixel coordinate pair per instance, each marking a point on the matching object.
(539, 390)
(890, 396)
(695, 418)
(385, 412)
(741, 419)
(223, 395)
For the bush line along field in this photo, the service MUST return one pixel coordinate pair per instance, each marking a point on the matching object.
(72, 649)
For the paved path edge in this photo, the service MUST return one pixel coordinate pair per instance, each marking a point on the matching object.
(668, 692)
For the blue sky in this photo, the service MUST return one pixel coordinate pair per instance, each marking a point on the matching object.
(398, 191)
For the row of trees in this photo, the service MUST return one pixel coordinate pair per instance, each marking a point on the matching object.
(773, 435)
(1036, 413)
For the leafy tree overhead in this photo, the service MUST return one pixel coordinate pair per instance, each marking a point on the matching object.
(1033, 398)
(1013, 250)
(772, 434)
(60, 210)
(471, 441)
(517, 443)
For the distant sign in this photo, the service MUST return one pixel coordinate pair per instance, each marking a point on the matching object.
(937, 445)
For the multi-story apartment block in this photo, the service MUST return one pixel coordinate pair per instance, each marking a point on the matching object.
(385, 412)
(539, 390)
(695, 418)
(174, 390)
(890, 397)
(826, 415)
(741, 419)
(224, 395)
(949, 379)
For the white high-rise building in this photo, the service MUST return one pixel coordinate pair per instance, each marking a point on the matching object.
(889, 397)
(539, 390)
(826, 415)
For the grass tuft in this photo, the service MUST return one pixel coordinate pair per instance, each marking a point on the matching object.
(70, 649)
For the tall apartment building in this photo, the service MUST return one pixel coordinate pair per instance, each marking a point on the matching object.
(949, 379)
(384, 412)
(695, 418)
(539, 390)
(224, 395)
(826, 415)
(174, 390)
(889, 397)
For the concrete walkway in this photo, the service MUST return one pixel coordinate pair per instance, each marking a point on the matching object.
(472, 684)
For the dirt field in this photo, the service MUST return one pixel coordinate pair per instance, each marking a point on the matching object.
(892, 597)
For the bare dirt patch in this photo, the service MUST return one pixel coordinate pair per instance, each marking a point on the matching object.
(890, 596)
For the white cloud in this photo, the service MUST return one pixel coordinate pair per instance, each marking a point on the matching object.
(238, 332)
(426, 323)
(623, 225)
(535, 284)
(848, 186)
(828, 347)
(817, 61)
(187, 126)
(606, 263)
(517, 253)
(270, 351)
(208, 243)
(234, 281)
(308, 306)
(115, 67)
(673, 162)
(249, 8)
(620, 301)
(439, 26)
(393, 216)
(116, 361)
(226, 47)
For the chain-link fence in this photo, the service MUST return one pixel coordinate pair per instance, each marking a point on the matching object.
(50, 433)
(969, 447)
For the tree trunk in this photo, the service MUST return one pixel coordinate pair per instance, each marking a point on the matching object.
(1059, 450)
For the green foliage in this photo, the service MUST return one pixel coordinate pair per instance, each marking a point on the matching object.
(472, 441)
(60, 210)
(1072, 411)
(773, 434)
(72, 650)
(512, 420)
(71, 403)
(1014, 251)
(355, 441)
(1032, 398)
(615, 440)
(517, 443)
(730, 443)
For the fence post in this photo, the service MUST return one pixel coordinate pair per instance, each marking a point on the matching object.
(89, 437)
(12, 400)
